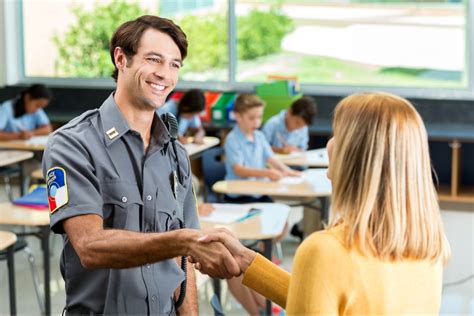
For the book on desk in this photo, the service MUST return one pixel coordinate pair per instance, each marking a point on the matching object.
(36, 198)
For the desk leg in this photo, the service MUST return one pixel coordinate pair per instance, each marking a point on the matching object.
(11, 278)
(267, 251)
(47, 277)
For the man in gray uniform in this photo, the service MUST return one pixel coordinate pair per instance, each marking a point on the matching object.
(121, 193)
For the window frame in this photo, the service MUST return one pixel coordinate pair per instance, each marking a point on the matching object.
(15, 72)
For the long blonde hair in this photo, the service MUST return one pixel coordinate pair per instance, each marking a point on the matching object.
(382, 182)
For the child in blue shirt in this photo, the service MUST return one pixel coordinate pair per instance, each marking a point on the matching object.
(187, 113)
(288, 131)
(24, 117)
(247, 152)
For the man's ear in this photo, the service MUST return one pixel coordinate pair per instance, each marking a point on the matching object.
(120, 58)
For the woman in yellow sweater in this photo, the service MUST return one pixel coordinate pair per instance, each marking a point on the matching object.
(384, 249)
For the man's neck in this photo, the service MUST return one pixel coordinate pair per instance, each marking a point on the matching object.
(139, 120)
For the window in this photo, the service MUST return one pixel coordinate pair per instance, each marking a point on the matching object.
(414, 48)
(69, 39)
(370, 43)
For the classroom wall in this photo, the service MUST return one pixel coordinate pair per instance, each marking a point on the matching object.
(451, 117)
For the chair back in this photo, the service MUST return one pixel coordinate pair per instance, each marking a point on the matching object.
(213, 169)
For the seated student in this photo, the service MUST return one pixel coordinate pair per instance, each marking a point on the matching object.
(385, 247)
(288, 131)
(187, 113)
(253, 302)
(247, 152)
(24, 117)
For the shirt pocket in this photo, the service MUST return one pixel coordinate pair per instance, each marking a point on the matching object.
(122, 202)
(170, 209)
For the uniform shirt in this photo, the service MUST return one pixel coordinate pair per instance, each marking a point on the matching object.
(130, 189)
(28, 121)
(239, 150)
(183, 123)
(275, 130)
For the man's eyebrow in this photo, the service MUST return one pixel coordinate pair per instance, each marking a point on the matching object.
(161, 56)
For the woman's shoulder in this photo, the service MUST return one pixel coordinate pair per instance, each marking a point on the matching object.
(331, 239)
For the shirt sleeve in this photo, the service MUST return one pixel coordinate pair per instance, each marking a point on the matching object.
(320, 273)
(267, 279)
(41, 118)
(4, 115)
(233, 156)
(82, 186)
(304, 139)
(269, 132)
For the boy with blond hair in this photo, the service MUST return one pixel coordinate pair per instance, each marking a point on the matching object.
(247, 151)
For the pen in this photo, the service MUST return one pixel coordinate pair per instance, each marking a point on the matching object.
(251, 214)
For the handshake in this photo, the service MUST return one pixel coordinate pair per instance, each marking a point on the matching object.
(219, 253)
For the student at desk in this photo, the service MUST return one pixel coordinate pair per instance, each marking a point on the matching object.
(385, 247)
(288, 131)
(247, 152)
(24, 117)
(187, 112)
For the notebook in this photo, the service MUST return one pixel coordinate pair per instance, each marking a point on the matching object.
(37, 198)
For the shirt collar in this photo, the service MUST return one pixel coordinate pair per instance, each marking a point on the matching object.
(115, 126)
(242, 136)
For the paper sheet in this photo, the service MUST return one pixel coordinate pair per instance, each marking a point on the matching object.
(227, 213)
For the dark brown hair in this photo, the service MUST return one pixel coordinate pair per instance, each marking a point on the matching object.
(129, 34)
(305, 108)
(245, 102)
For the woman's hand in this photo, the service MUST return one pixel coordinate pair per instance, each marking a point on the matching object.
(242, 254)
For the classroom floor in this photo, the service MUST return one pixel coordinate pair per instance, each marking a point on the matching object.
(458, 299)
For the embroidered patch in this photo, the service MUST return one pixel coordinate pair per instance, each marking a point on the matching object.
(57, 188)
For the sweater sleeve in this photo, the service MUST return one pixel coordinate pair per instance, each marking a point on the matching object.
(267, 279)
(319, 276)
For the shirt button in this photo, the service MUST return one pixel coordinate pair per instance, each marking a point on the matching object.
(174, 212)
(124, 199)
(149, 197)
(148, 266)
(153, 298)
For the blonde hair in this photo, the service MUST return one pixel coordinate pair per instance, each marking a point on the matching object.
(382, 182)
(244, 102)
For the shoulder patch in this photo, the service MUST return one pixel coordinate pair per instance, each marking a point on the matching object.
(57, 188)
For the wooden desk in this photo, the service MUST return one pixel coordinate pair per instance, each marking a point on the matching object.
(7, 242)
(36, 143)
(316, 158)
(316, 185)
(16, 215)
(264, 226)
(10, 157)
(195, 150)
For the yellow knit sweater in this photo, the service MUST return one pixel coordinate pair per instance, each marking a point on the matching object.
(330, 279)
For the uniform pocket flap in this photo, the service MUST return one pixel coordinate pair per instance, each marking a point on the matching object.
(121, 193)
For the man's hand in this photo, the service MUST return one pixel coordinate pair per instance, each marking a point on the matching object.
(214, 259)
(243, 255)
